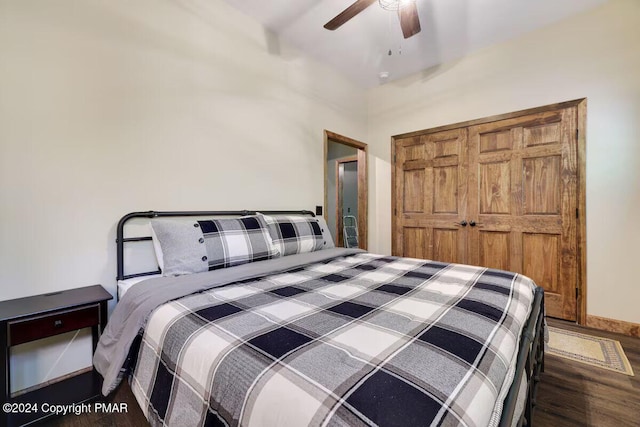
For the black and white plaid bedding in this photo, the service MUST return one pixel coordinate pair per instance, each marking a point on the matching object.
(356, 340)
(294, 234)
(236, 241)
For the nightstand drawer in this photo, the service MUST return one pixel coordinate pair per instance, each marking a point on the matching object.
(31, 329)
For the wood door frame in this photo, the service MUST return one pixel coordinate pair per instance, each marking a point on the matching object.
(339, 190)
(581, 222)
(363, 186)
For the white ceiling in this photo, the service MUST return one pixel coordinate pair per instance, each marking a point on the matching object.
(450, 29)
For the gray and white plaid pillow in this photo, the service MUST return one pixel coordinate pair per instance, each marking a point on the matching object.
(196, 246)
(294, 235)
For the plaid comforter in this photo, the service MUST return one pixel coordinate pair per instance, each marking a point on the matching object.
(357, 340)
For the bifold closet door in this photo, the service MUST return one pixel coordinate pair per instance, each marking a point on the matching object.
(522, 201)
(500, 193)
(430, 196)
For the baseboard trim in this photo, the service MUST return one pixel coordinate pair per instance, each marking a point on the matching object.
(612, 325)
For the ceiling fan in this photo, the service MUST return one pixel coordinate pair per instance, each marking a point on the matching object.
(407, 12)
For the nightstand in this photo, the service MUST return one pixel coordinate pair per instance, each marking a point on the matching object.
(28, 319)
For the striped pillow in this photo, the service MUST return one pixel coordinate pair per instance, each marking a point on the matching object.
(196, 246)
(294, 235)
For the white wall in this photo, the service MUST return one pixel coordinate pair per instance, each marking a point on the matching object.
(593, 55)
(114, 106)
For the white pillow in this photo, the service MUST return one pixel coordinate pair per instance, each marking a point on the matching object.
(326, 233)
(157, 249)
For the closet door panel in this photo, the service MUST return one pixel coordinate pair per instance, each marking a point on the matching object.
(541, 185)
(522, 200)
(413, 197)
(430, 196)
(415, 242)
(446, 244)
(495, 185)
(494, 249)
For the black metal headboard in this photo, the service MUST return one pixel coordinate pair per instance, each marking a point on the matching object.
(121, 240)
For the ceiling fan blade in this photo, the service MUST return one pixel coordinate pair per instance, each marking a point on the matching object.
(409, 21)
(348, 13)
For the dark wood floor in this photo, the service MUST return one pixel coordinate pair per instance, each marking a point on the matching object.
(132, 418)
(571, 394)
(574, 394)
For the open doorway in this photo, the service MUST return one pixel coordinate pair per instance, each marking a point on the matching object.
(345, 190)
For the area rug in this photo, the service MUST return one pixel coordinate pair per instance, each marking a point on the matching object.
(595, 351)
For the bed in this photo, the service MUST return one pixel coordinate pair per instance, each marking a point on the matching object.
(330, 336)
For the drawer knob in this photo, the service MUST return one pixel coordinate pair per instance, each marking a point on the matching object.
(57, 323)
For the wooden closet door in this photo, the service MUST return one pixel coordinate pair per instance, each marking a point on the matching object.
(522, 198)
(430, 196)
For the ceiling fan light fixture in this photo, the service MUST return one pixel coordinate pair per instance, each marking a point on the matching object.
(407, 12)
(394, 4)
